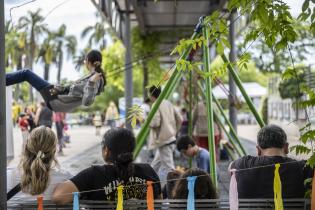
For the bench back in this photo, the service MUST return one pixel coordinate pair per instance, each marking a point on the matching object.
(214, 204)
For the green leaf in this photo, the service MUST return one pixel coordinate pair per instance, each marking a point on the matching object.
(308, 181)
(226, 42)
(281, 44)
(311, 161)
(308, 135)
(300, 149)
(133, 122)
(305, 5)
(220, 48)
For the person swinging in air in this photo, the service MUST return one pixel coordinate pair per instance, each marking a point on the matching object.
(66, 98)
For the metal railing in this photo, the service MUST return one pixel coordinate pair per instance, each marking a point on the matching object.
(219, 204)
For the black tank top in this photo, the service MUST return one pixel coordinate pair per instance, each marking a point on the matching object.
(45, 117)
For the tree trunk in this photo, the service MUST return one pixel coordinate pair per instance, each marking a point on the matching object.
(46, 71)
(145, 80)
(31, 59)
(17, 94)
(60, 60)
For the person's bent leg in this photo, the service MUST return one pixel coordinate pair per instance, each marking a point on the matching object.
(166, 157)
(156, 162)
(26, 75)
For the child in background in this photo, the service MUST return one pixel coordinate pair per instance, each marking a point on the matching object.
(24, 125)
(172, 176)
(188, 147)
(204, 188)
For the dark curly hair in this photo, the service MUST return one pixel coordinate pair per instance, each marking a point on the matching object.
(271, 136)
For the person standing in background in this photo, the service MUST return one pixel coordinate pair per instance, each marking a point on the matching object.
(97, 122)
(200, 133)
(24, 126)
(44, 116)
(111, 114)
(59, 122)
(163, 129)
(30, 117)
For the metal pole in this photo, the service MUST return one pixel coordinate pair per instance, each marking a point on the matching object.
(3, 152)
(232, 87)
(171, 83)
(243, 91)
(206, 62)
(128, 72)
(190, 122)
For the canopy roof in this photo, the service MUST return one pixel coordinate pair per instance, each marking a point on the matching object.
(176, 18)
(253, 89)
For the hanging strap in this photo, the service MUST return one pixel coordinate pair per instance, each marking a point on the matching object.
(15, 190)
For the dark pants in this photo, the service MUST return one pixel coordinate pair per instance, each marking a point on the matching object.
(26, 75)
(59, 128)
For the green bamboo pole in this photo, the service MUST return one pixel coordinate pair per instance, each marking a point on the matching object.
(234, 136)
(240, 86)
(144, 131)
(221, 124)
(206, 62)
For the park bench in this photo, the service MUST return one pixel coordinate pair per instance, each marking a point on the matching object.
(215, 204)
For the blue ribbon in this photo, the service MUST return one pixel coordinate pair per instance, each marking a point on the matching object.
(76, 205)
(191, 192)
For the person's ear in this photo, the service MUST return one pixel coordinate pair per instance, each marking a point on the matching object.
(105, 153)
(258, 150)
(286, 148)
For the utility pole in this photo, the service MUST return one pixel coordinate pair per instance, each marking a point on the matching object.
(3, 152)
(128, 67)
(232, 87)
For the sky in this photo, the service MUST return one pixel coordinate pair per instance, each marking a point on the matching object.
(76, 15)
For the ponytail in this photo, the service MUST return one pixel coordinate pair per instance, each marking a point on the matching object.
(99, 69)
(95, 58)
(124, 166)
(37, 159)
(39, 175)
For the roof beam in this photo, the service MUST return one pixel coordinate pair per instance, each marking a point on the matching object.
(139, 14)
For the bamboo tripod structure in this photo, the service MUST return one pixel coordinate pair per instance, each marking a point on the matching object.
(207, 93)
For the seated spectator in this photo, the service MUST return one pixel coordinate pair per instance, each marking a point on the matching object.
(117, 147)
(171, 177)
(188, 147)
(204, 188)
(37, 174)
(272, 148)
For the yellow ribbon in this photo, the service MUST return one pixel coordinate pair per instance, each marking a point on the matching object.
(120, 198)
(277, 189)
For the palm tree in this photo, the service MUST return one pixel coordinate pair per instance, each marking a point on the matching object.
(79, 59)
(15, 49)
(47, 54)
(96, 34)
(63, 42)
(33, 26)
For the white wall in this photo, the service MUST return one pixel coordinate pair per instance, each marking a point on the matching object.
(9, 124)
